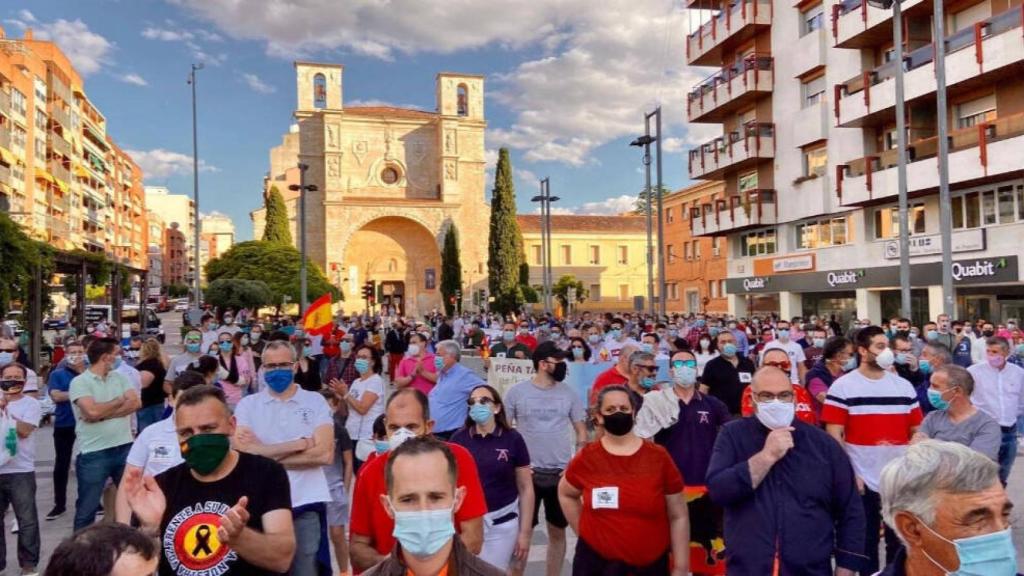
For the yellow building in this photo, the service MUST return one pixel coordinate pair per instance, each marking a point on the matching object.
(606, 253)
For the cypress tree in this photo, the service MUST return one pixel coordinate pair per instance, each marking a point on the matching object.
(276, 227)
(451, 270)
(503, 255)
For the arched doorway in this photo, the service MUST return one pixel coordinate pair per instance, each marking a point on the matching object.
(402, 257)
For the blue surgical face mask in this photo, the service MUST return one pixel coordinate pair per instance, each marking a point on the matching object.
(194, 348)
(936, 400)
(615, 333)
(683, 375)
(6, 357)
(782, 333)
(381, 446)
(362, 365)
(226, 346)
(346, 346)
(214, 326)
(932, 335)
(647, 382)
(729, 350)
(509, 335)
(577, 352)
(438, 363)
(423, 532)
(594, 338)
(819, 342)
(480, 413)
(279, 379)
(986, 555)
(648, 348)
(714, 330)
(850, 364)
(902, 358)
(924, 366)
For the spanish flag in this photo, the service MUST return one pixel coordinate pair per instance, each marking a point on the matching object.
(319, 320)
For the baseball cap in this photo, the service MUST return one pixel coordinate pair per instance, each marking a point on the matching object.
(547, 350)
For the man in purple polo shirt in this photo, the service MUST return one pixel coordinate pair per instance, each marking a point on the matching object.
(686, 422)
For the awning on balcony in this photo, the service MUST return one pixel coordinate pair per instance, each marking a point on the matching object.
(7, 156)
(80, 171)
(61, 184)
(42, 174)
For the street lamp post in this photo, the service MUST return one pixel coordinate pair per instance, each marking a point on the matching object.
(901, 152)
(645, 142)
(196, 289)
(941, 125)
(661, 228)
(302, 188)
(545, 198)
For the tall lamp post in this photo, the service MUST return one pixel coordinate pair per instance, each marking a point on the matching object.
(645, 142)
(302, 188)
(196, 289)
(901, 151)
(545, 198)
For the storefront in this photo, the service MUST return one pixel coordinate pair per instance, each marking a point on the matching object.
(988, 284)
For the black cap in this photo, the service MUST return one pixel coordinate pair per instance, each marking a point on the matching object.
(547, 350)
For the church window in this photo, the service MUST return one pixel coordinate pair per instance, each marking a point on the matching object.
(389, 176)
(463, 100)
(319, 91)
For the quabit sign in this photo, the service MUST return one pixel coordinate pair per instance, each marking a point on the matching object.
(1000, 269)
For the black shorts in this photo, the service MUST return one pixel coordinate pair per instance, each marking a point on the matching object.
(548, 494)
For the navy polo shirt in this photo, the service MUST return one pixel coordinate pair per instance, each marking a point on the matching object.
(60, 380)
(497, 456)
(690, 440)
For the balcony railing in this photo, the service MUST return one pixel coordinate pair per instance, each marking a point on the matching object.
(60, 145)
(753, 140)
(58, 171)
(975, 36)
(5, 138)
(5, 101)
(60, 116)
(982, 136)
(740, 211)
(731, 87)
(704, 45)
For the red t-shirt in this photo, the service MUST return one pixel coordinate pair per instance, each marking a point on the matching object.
(625, 516)
(527, 340)
(369, 517)
(804, 405)
(609, 377)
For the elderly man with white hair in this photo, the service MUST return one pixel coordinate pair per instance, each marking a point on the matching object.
(968, 534)
(454, 384)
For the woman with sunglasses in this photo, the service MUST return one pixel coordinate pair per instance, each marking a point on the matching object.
(579, 350)
(779, 358)
(623, 497)
(239, 369)
(307, 367)
(686, 423)
(503, 463)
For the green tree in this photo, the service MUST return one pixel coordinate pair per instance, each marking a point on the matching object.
(238, 293)
(641, 201)
(451, 270)
(177, 290)
(276, 227)
(503, 254)
(561, 290)
(275, 264)
(19, 257)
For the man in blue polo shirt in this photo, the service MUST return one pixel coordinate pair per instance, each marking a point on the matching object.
(449, 395)
(63, 423)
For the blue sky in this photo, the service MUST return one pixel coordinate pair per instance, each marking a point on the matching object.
(567, 84)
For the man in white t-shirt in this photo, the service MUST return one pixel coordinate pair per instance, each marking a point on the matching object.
(797, 369)
(17, 475)
(617, 338)
(296, 428)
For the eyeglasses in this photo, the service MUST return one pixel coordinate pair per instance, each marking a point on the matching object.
(482, 400)
(783, 365)
(787, 396)
(8, 349)
(649, 369)
(278, 366)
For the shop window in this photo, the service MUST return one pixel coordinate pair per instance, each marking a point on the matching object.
(811, 19)
(813, 91)
(758, 243)
(887, 221)
(977, 111)
(822, 233)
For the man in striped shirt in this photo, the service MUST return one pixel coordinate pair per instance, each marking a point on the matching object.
(874, 414)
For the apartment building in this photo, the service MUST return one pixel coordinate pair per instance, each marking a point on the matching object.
(806, 97)
(695, 266)
(216, 236)
(178, 212)
(175, 257)
(155, 250)
(61, 175)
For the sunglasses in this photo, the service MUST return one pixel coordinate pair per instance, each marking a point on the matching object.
(681, 363)
(781, 365)
(482, 400)
(649, 369)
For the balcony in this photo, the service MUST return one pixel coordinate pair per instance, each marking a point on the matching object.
(990, 48)
(60, 116)
(749, 210)
(59, 172)
(5, 174)
(726, 29)
(5, 101)
(811, 123)
(856, 24)
(5, 137)
(988, 150)
(735, 150)
(59, 145)
(731, 88)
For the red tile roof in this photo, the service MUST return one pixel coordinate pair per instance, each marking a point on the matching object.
(571, 222)
(390, 111)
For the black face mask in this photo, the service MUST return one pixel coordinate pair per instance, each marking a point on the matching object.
(903, 333)
(988, 333)
(618, 424)
(559, 373)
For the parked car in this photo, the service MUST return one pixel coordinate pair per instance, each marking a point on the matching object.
(151, 326)
(181, 306)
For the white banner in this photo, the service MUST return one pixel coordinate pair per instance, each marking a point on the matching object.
(505, 372)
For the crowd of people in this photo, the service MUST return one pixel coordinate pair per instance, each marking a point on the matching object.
(767, 447)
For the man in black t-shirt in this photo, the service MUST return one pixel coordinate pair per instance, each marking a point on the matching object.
(221, 511)
(725, 376)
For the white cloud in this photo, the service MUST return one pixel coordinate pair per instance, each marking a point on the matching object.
(373, 102)
(87, 50)
(161, 163)
(257, 84)
(607, 207)
(134, 79)
(525, 176)
(166, 35)
(170, 32)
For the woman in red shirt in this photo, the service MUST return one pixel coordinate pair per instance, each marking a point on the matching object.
(624, 499)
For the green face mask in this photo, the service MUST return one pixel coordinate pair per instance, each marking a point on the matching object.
(204, 452)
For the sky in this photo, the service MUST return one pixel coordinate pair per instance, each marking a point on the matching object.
(567, 82)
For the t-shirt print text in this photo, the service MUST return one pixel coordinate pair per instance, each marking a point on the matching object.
(191, 544)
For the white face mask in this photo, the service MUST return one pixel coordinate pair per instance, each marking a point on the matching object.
(684, 376)
(775, 414)
(886, 359)
(398, 437)
(705, 343)
(414, 349)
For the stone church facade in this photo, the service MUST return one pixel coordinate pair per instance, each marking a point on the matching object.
(389, 184)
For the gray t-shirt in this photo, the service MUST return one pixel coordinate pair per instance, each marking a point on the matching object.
(544, 416)
(979, 432)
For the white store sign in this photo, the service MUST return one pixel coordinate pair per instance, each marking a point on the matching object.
(805, 262)
(963, 241)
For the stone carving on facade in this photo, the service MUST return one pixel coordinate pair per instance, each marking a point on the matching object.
(449, 142)
(389, 138)
(332, 137)
(451, 170)
(333, 171)
(360, 148)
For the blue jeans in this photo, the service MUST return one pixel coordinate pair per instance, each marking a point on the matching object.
(1007, 453)
(19, 490)
(307, 543)
(92, 470)
(149, 415)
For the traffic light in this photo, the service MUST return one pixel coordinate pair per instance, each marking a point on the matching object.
(369, 291)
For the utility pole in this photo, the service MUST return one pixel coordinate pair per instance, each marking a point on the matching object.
(302, 188)
(545, 198)
(196, 289)
(942, 126)
(901, 163)
(661, 227)
(645, 142)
